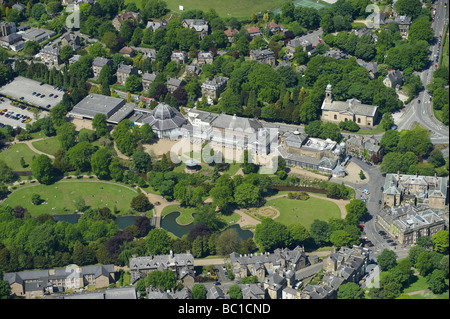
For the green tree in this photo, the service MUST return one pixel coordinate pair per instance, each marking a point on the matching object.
(43, 169)
(270, 235)
(389, 141)
(142, 161)
(227, 242)
(66, 53)
(247, 195)
(157, 242)
(350, 290)
(79, 156)
(424, 263)
(198, 291)
(133, 84)
(111, 41)
(436, 281)
(441, 241)
(387, 259)
(235, 292)
(140, 203)
(319, 231)
(387, 121)
(411, 8)
(37, 11)
(67, 135)
(165, 279)
(100, 162)
(99, 124)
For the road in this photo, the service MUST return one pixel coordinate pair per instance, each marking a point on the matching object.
(422, 112)
(371, 228)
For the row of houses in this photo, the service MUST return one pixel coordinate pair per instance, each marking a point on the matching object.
(39, 283)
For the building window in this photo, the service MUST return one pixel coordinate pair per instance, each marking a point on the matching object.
(335, 116)
(359, 120)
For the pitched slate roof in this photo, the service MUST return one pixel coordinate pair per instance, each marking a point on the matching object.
(162, 118)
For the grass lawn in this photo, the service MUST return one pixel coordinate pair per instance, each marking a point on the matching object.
(445, 51)
(224, 8)
(294, 211)
(420, 283)
(186, 213)
(12, 155)
(48, 146)
(61, 196)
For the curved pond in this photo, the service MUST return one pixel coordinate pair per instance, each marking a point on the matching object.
(169, 223)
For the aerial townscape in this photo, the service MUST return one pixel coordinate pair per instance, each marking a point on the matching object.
(226, 150)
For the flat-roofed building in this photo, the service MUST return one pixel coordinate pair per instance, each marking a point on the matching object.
(38, 35)
(115, 109)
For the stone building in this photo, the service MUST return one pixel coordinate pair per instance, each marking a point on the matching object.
(360, 145)
(349, 264)
(394, 79)
(430, 190)
(205, 58)
(124, 71)
(180, 264)
(265, 264)
(121, 17)
(351, 110)
(199, 25)
(98, 64)
(213, 88)
(406, 224)
(263, 56)
(37, 283)
(50, 55)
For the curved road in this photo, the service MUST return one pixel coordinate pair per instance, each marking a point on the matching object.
(422, 112)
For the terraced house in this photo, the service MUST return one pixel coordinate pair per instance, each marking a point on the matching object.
(37, 283)
(181, 264)
(265, 264)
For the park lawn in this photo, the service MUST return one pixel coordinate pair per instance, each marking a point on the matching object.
(186, 213)
(420, 283)
(224, 8)
(12, 156)
(48, 146)
(294, 211)
(62, 195)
